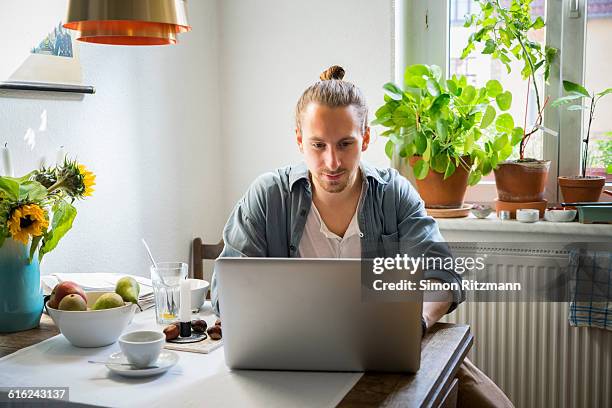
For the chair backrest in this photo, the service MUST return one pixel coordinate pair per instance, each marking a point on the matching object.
(200, 251)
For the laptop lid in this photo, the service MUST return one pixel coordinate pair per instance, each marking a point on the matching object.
(308, 314)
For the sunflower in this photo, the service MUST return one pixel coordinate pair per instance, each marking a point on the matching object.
(75, 179)
(26, 220)
(89, 180)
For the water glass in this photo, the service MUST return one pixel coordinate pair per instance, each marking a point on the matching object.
(166, 278)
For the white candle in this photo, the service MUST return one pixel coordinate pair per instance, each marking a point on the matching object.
(185, 310)
(61, 156)
(6, 160)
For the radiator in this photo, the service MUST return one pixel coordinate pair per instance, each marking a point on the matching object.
(529, 349)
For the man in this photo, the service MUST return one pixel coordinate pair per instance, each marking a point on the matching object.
(334, 205)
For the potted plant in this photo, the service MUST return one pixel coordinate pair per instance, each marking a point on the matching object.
(36, 211)
(448, 130)
(505, 35)
(582, 188)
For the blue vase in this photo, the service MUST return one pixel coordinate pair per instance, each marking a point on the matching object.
(21, 300)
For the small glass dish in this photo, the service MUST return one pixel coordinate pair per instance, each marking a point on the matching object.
(481, 210)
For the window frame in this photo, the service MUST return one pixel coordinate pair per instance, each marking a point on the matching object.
(422, 35)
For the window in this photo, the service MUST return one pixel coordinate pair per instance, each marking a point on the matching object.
(597, 77)
(581, 35)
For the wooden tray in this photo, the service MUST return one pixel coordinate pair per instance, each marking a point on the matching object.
(450, 212)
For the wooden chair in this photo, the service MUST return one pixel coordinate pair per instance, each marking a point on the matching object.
(200, 251)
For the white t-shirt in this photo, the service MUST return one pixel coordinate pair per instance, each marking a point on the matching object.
(319, 242)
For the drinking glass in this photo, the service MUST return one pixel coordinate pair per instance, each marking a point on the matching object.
(166, 279)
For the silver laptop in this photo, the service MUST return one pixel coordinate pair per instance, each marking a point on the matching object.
(308, 314)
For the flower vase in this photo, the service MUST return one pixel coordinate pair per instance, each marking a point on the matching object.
(21, 300)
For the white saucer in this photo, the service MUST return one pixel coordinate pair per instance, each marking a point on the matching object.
(165, 360)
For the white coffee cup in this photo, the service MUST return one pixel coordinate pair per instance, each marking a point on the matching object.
(142, 348)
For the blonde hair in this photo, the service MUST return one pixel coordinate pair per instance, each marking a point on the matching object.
(333, 92)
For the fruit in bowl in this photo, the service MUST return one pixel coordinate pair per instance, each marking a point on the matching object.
(100, 323)
(64, 289)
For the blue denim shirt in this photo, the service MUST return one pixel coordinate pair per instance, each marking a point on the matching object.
(269, 220)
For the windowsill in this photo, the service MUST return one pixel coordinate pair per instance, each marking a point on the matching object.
(472, 229)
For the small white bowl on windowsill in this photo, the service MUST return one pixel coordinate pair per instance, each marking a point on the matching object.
(527, 215)
(560, 215)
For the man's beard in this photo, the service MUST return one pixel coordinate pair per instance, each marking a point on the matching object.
(334, 186)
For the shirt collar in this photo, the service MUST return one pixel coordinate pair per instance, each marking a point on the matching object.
(300, 172)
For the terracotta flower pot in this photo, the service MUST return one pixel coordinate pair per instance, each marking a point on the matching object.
(577, 189)
(440, 193)
(521, 181)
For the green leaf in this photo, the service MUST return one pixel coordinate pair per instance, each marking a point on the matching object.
(439, 103)
(577, 107)
(34, 246)
(421, 168)
(452, 86)
(504, 123)
(420, 141)
(414, 76)
(469, 143)
(404, 117)
(488, 117)
(439, 162)
(408, 150)
(393, 91)
(32, 191)
(500, 142)
(505, 152)
(538, 23)
(380, 121)
(609, 169)
(63, 216)
(504, 100)
(442, 130)
(517, 136)
(605, 92)
(450, 169)
(494, 88)
(468, 94)
(10, 187)
(489, 47)
(389, 149)
(573, 87)
(427, 152)
(474, 178)
(433, 87)
(566, 99)
(436, 72)
(468, 50)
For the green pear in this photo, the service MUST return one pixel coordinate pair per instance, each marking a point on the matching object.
(108, 301)
(73, 302)
(128, 289)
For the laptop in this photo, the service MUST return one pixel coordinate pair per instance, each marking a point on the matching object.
(308, 315)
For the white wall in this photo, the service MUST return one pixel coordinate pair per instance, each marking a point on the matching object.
(271, 51)
(176, 134)
(151, 134)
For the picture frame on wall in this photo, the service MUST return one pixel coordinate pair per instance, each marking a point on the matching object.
(41, 55)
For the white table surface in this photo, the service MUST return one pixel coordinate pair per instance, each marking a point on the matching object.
(197, 380)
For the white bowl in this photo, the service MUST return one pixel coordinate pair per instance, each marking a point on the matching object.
(527, 215)
(141, 348)
(198, 288)
(93, 328)
(560, 215)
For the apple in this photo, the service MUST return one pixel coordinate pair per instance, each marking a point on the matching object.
(63, 289)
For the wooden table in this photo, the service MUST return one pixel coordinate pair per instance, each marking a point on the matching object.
(443, 350)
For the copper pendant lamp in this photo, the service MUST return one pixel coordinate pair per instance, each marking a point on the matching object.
(128, 22)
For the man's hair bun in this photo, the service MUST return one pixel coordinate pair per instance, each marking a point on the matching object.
(333, 72)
